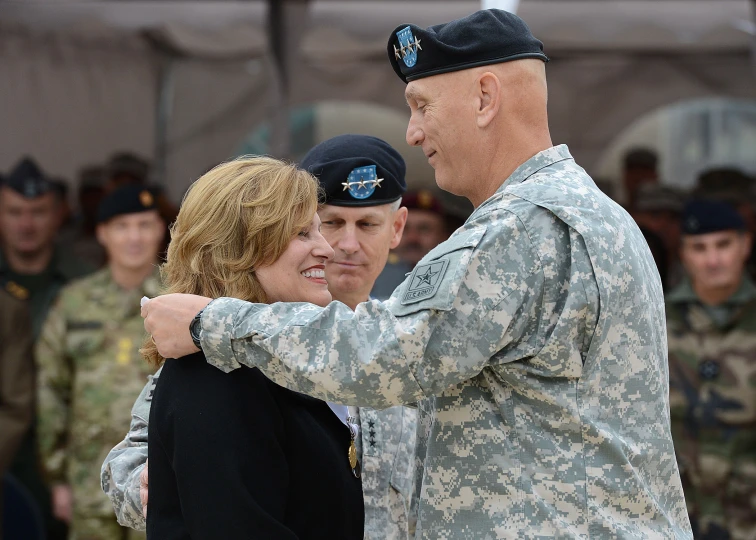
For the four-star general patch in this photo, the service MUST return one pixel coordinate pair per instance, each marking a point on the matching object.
(424, 281)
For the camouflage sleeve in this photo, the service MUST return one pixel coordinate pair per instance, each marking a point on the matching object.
(471, 296)
(120, 471)
(54, 382)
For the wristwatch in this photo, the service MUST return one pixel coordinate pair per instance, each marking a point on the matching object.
(195, 329)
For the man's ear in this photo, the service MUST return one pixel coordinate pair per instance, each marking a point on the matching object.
(100, 233)
(488, 89)
(400, 220)
(747, 239)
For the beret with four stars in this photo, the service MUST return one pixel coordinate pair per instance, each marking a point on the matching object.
(489, 36)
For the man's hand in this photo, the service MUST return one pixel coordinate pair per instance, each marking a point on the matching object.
(62, 502)
(143, 481)
(167, 319)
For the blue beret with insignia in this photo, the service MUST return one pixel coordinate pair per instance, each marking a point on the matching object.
(28, 180)
(707, 216)
(357, 170)
(489, 36)
(128, 199)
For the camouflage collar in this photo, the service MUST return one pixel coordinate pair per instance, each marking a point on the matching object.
(541, 160)
(684, 293)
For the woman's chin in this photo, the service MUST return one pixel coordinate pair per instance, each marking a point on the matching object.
(321, 299)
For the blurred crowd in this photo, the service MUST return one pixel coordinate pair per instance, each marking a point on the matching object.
(70, 366)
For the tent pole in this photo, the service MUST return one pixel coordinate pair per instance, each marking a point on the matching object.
(162, 117)
(283, 19)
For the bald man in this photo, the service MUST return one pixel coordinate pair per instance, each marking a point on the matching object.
(532, 339)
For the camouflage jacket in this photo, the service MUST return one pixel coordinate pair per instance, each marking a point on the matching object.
(712, 369)
(534, 343)
(385, 451)
(90, 370)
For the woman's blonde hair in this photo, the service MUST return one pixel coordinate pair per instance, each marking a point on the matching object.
(239, 216)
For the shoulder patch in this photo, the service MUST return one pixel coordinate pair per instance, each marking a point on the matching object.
(425, 280)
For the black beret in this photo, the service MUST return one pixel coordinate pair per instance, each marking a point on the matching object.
(357, 170)
(489, 36)
(705, 216)
(127, 199)
(27, 179)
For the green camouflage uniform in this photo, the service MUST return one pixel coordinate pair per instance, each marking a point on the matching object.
(385, 450)
(534, 343)
(90, 370)
(712, 369)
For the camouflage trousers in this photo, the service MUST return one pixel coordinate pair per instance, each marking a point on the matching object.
(101, 528)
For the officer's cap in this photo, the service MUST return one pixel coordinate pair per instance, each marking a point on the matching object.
(357, 170)
(127, 199)
(705, 216)
(489, 36)
(28, 180)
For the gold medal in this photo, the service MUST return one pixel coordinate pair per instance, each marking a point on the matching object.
(352, 454)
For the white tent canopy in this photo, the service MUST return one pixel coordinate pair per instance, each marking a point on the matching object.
(183, 83)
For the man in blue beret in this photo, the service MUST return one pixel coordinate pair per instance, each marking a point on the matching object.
(533, 339)
(711, 327)
(33, 270)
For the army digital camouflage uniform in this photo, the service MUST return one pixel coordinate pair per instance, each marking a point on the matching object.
(90, 370)
(385, 451)
(534, 341)
(712, 368)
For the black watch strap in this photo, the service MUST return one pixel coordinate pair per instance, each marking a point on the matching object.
(195, 329)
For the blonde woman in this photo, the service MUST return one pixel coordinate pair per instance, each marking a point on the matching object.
(236, 456)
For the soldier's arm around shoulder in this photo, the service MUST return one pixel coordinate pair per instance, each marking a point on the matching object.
(471, 297)
(16, 376)
(124, 464)
(54, 381)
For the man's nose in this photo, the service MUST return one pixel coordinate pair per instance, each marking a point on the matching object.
(414, 134)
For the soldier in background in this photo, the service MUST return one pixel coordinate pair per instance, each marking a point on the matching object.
(734, 187)
(90, 367)
(16, 380)
(34, 270)
(657, 213)
(711, 322)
